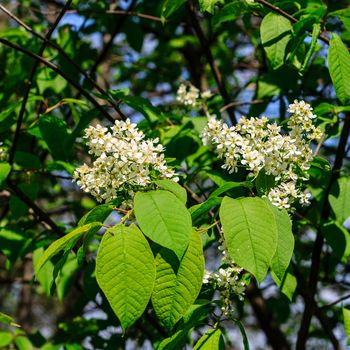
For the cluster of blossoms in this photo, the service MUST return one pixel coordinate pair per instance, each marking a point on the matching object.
(188, 94)
(228, 279)
(257, 144)
(124, 162)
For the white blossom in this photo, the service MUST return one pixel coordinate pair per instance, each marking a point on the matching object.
(123, 161)
(3, 153)
(257, 144)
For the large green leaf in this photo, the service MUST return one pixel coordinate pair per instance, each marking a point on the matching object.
(164, 219)
(177, 284)
(250, 231)
(288, 284)
(65, 241)
(125, 271)
(285, 242)
(275, 33)
(211, 340)
(173, 187)
(339, 68)
(339, 198)
(344, 16)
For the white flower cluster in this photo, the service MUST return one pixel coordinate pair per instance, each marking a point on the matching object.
(228, 279)
(257, 144)
(124, 161)
(188, 94)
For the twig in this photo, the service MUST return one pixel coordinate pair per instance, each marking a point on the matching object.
(335, 302)
(242, 103)
(210, 58)
(61, 73)
(30, 80)
(44, 217)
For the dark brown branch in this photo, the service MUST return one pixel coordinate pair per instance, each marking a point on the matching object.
(42, 216)
(61, 73)
(210, 58)
(317, 250)
(335, 302)
(30, 81)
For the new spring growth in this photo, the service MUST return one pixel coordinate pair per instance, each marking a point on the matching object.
(257, 144)
(124, 161)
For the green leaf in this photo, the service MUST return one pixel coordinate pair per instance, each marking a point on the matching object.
(173, 187)
(55, 133)
(23, 343)
(125, 271)
(339, 68)
(164, 219)
(5, 339)
(99, 214)
(140, 104)
(344, 16)
(209, 5)
(204, 207)
(45, 275)
(228, 186)
(170, 6)
(196, 313)
(177, 284)
(275, 31)
(211, 340)
(7, 320)
(250, 231)
(285, 242)
(338, 238)
(288, 284)
(339, 199)
(65, 241)
(264, 182)
(230, 12)
(5, 169)
(346, 316)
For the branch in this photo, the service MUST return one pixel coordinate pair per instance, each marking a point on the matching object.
(44, 217)
(210, 58)
(64, 55)
(335, 302)
(61, 73)
(30, 81)
(309, 308)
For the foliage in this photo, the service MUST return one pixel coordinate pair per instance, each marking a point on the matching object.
(140, 209)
